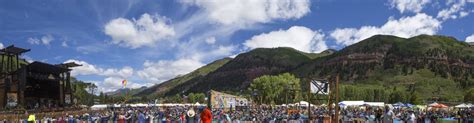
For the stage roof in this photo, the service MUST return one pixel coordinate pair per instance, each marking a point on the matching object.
(41, 67)
(14, 50)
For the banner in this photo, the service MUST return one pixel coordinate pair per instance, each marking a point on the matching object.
(319, 87)
(67, 99)
(225, 101)
(12, 99)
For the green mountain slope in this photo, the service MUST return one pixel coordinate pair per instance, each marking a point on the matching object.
(162, 88)
(437, 67)
(237, 74)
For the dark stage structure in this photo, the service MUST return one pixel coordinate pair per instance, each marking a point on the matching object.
(33, 85)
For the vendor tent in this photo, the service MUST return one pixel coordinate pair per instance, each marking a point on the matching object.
(438, 105)
(379, 104)
(302, 103)
(463, 105)
(433, 104)
(351, 103)
(99, 107)
(398, 104)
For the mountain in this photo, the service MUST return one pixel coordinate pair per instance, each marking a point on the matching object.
(445, 56)
(161, 89)
(123, 91)
(236, 75)
(431, 66)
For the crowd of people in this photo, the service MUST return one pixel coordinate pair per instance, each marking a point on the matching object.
(267, 114)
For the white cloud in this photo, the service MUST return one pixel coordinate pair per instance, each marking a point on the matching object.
(1, 45)
(455, 8)
(470, 38)
(463, 14)
(125, 72)
(414, 6)
(90, 69)
(404, 27)
(298, 37)
(243, 12)
(85, 69)
(146, 31)
(45, 40)
(167, 69)
(113, 83)
(33, 41)
(64, 44)
(211, 40)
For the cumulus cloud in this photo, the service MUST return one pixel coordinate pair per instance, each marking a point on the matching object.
(167, 69)
(45, 40)
(1, 45)
(470, 38)
(146, 31)
(113, 83)
(404, 27)
(298, 37)
(251, 11)
(414, 6)
(454, 11)
(90, 69)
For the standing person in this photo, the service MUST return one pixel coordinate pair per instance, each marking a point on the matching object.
(388, 116)
(121, 118)
(141, 117)
(378, 115)
(190, 116)
(206, 115)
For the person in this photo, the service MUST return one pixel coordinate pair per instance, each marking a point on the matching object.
(206, 115)
(388, 116)
(31, 118)
(190, 115)
(412, 117)
(378, 115)
(141, 117)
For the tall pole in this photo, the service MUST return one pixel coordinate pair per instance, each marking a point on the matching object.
(309, 100)
(331, 95)
(337, 99)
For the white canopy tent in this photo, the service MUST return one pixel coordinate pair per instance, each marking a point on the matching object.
(464, 105)
(379, 104)
(351, 103)
(302, 103)
(98, 107)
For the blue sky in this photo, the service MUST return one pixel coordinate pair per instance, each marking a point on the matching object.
(151, 41)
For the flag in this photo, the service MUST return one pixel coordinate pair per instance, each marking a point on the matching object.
(124, 83)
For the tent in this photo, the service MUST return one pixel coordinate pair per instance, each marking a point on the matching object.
(379, 104)
(463, 105)
(398, 104)
(351, 103)
(409, 105)
(99, 107)
(302, 103)
(433, 104)
(438, 105)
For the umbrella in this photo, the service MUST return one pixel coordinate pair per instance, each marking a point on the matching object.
(409, 105)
